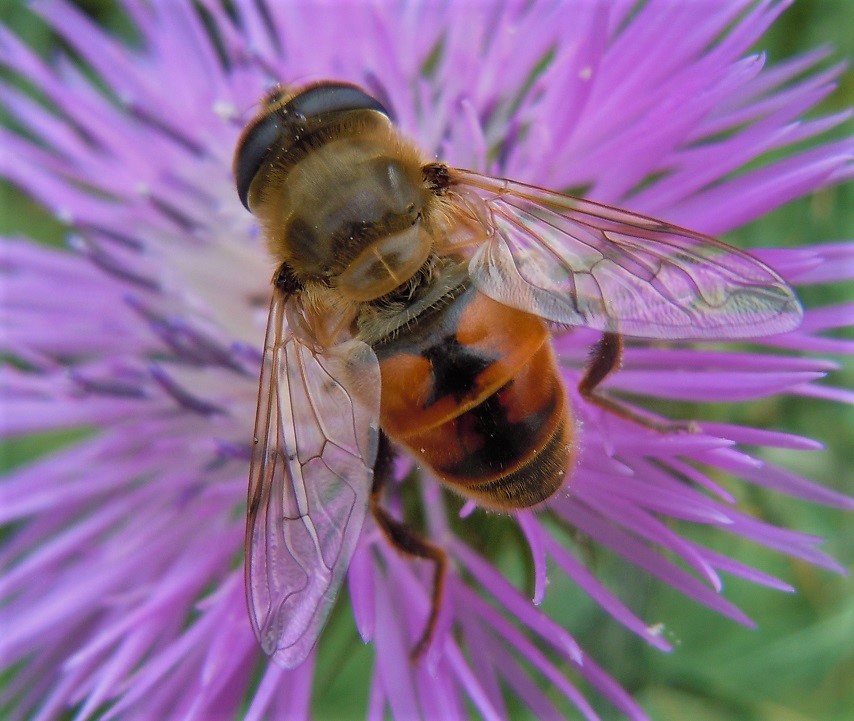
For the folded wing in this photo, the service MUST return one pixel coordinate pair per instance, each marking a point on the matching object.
(310, 480)
(577, 262)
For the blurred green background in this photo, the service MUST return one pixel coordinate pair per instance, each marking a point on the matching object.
(799, 664)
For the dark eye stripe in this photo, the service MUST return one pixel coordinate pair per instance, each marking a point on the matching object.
(253, 151)
(310, 104)
(332, 98)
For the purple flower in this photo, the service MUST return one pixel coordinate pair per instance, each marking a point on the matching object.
(122, 584)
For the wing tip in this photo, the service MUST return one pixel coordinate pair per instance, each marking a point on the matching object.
(291, 657)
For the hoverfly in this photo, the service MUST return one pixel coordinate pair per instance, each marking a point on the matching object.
(413, 301)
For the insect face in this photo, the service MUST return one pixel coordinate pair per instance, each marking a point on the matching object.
(340, 195)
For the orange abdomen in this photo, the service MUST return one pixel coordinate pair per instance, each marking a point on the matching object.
(473, 391)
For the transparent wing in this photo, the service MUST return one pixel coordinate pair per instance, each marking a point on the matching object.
(578, 262)
(312, 467)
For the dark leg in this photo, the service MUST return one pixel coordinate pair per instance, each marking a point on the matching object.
(405, 539)
(607, 356)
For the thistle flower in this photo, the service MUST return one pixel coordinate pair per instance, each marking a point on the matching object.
(122, 581)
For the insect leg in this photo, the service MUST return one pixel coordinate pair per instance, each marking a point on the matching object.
(408, 541)
(606, 357)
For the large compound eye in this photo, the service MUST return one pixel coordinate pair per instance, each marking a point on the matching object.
(332, 98)
(264, 135)
(252, 151)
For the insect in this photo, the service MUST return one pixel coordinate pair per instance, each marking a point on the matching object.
(413, 305)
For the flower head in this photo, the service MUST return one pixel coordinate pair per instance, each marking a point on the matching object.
(122, 584)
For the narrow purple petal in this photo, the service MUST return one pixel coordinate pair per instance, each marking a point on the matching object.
(515, 602)
(266, 691)
(471, 683)
(779, 479)
(649, 527)
(837, 264)
(376, 700)
(640, 554)
(705, 387)
(728, 565)
(360, 583)
(439, 696)
(392, 654)
(529, 651)
(485, 650)
(684, 470)
(524, 687)
(534, 536)
(604, 598)
(739, 201)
